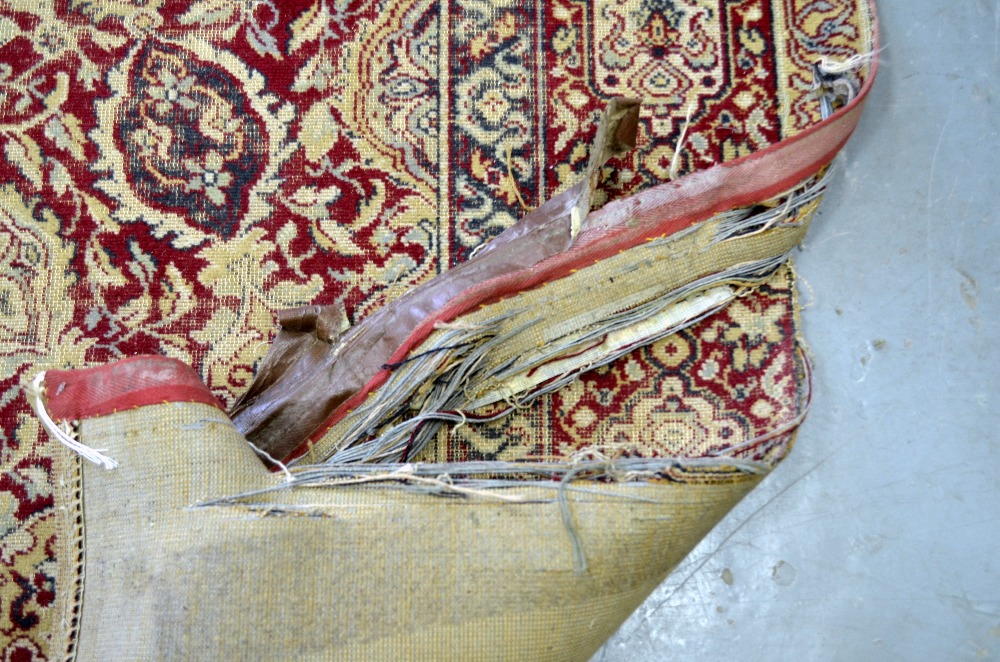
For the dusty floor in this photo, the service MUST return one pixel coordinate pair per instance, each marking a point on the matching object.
(879, 539)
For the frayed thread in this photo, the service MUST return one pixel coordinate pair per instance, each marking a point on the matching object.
(62, 432)
(675, 162)
(289, 478)
(830, 66)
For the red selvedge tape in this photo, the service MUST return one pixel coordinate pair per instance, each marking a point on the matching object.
(134, 382)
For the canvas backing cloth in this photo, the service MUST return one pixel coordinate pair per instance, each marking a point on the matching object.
(373, 573)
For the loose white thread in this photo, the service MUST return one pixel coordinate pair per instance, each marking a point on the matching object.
(675, 163)
(63, 433)
(830, 66)
(289, 478)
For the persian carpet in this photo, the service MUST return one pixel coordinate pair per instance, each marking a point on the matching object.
(174, 173)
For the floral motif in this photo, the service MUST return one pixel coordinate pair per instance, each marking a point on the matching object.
(681, 36)
(35, 311)
(194, 143)
(197, 140)
(757, 332)
(209, 176)
(170, 90)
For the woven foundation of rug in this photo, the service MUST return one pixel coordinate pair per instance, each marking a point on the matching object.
(505, 473)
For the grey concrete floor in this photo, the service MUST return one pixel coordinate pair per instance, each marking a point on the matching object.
(879, 538)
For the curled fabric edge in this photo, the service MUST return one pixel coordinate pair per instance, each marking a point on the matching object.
(279, 411)
(59, 392)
